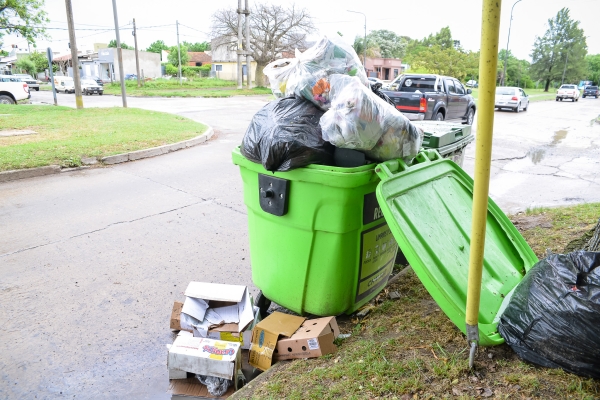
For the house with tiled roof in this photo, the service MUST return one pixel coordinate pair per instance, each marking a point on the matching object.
(199, 58)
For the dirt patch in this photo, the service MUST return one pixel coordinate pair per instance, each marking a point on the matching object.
(525, 222)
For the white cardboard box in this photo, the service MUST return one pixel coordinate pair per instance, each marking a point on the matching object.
(205, 357)
(214, 304)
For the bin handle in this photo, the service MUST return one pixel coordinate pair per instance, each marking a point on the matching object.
(388, 169)
(458, 133)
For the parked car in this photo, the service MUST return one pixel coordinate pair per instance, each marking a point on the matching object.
(435, 97)
(130, 77)
(591, 91)
(12, 90)
(511, 97)
(90, 86)
(30, 80)
(64, 84)
(95, 78)
(568, 92)
(472, 84)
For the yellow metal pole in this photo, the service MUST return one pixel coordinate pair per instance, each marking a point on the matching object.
(488, 63)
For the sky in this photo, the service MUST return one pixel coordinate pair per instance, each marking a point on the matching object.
(94, 21)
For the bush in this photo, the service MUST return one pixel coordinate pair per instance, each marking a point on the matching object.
(172, 70)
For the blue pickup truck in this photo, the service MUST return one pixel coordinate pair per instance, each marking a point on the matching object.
(432, 97)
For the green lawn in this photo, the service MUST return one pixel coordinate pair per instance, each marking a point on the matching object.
(65, 135)
(204, 87)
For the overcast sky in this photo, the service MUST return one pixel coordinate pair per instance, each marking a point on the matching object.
(416, 19)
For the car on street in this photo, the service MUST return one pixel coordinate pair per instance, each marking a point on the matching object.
(511, 97)
(591, 91)
(97, 79)
(90, 86)
(30, 80)
(432, 97)
(13, 90)
(472, 83)
(568, 92)
(372, 79)
(64, 84)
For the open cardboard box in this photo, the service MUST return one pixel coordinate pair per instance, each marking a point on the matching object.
(217, 307)
(314, 338)
(265, 335)
(204, 356)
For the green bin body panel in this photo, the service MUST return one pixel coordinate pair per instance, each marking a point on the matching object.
(429, 208)
(332, 251)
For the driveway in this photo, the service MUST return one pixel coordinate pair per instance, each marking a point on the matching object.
(91, 261)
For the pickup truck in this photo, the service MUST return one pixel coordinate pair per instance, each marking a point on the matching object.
(12, 91)
(568, 92)
(432, 97)
(591, 91)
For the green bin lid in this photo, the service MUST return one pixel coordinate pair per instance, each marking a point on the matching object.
(428, 207)
(439, 134)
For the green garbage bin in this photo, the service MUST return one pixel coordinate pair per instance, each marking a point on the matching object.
(319, 243)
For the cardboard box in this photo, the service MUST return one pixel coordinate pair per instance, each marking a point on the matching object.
(313, 339)
(176, 316)
(205, 357)
(265, 335)
(214, 304)
(191, 388)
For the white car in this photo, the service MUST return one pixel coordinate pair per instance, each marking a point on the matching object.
(511, 97)
(568, 92)
(90, 86)
(30, 80)
(374, 80)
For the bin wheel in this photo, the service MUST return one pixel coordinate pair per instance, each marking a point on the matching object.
(263, 304)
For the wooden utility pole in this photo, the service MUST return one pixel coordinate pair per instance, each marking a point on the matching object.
(178, 51)
(137, 59)
(248, 60)
(120, 55)
(239, 46)
(74, 57)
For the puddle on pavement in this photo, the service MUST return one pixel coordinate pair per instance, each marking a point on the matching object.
(536, 155)
(558, 137)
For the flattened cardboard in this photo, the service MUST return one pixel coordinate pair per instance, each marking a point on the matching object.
(205, 356)
(192, 388)
(176, 316)
(265, 335)
(195, 307)
(313, 339)
(224, 298)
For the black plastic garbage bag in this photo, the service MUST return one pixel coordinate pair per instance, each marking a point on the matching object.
(553, 316)
(285, 134)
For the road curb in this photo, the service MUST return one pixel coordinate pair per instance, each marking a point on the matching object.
(17, 174)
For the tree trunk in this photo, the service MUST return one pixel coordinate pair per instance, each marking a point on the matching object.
(259, 79)
(547, 85)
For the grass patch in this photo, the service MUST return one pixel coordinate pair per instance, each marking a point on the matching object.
(205, 87)
(408, 348)
(65, 135)
(534, 94)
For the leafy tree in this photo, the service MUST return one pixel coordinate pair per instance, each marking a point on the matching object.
(3, 53)
(593, 65)
(561, 50)
(195, 47)
(24, 17)
(157, 47)
(173, 57)
(447, 61)
(273, 29)
(390, 45)
(113, 43)
(27, 65)
(372, 48)
(443, 39)
(40, 60)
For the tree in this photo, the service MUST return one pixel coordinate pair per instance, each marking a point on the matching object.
(443, 39)
(274, 29)
(113, 43)
(195, 47)
(173, 57)
(372, 48)
(448, 61)
(593, 65)
(24, 17)
(561, 51)
(157, 47)
(40, 60)
(389, 44)
(25, 64)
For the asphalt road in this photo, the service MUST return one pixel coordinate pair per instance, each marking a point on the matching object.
(91, 261)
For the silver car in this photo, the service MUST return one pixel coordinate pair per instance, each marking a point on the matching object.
(511, 97)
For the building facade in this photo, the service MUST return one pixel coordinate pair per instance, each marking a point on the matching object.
(384, 68)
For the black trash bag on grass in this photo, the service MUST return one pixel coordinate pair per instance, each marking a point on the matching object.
(285, 134)
(553, 316)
